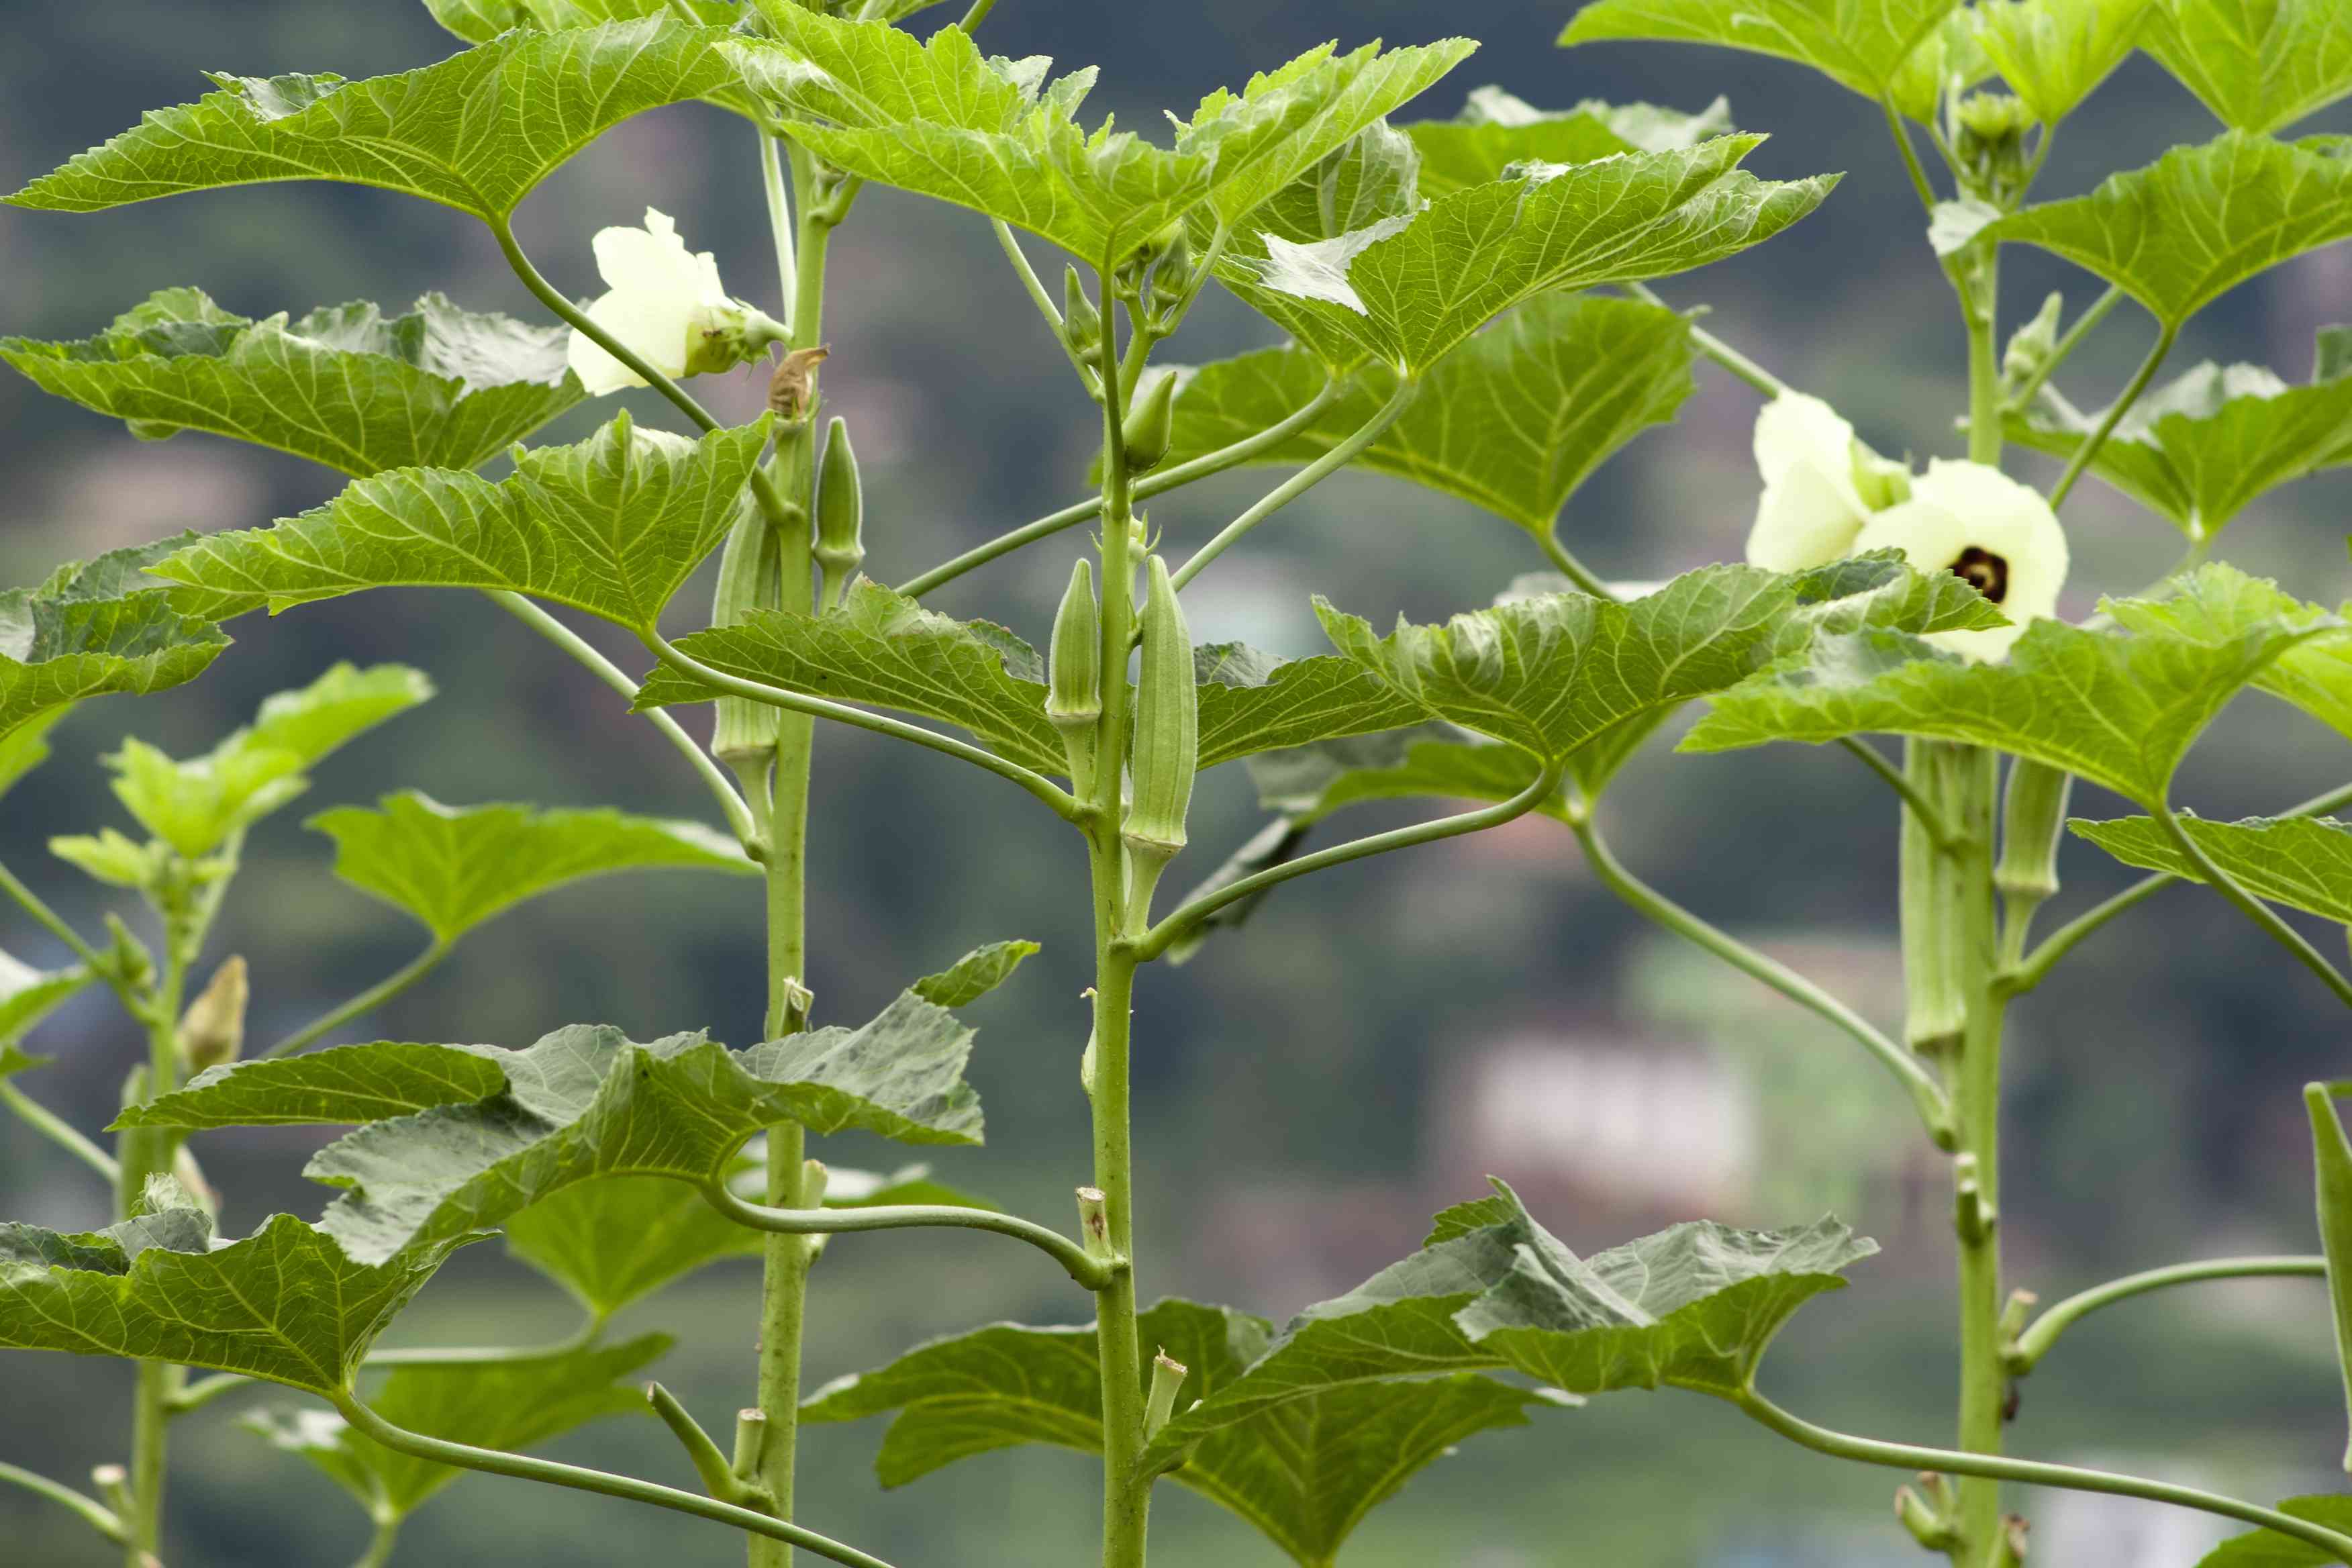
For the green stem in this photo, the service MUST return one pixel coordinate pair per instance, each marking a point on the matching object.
(142, 1153)
(521, 1467)
(780, 220)
(738, 816)
(54, 922)
(91, 1512)
(977, 14)
(1299, 483)
(1927, 1094)
(1155, 941)
(1741, 367)
(1089, 1272)
(2033, 1472)
(1010, 244)
(2255, 910)
(195, 1395)
(367, 1001)
(61, 1132)
(1127, 1498)
(2081, 460)
(2065, 347)
(586, 1336)
(1044, 788)
(1920, 807)
(1575, 570)
(380, 1543)
(2035, 1341)
(2025, 976)
(1896, 127)
(1200, 468)
(1979, 300)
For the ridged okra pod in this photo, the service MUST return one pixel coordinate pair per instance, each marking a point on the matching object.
(1167, 745)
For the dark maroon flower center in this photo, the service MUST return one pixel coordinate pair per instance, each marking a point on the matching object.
(1983, 570)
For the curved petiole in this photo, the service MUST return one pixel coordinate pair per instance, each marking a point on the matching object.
(1090, 1272)
(367, 1001)
(1927, 1094)
(2035, 1344)
(1044, 788)
(60, 1132)
(2064, 348)
(2033, 1472)
(91, 1512)
(521, 1467)
(1151, 485)
(1031, 285)
(1156, 941)
(2081, 460)
(2252, 908)
(1299, 483)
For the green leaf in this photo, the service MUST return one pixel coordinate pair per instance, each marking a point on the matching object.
(973, 975)
(2303, 862)
(1513, 421)
(2199, 220)
(1549, 674)
(2268, 1549)
(93, 628)
(2258, 65)
(455, 867)
(1409, 291)
(2117, 707)
(2055, 53)
(194, 806)
(1430, 762)
(1859, 46)
(27, 747)
(28, 995)
(509, 1406)
(615, 526)
(2314, 674)
(1497, 130)
(885, 650)
(118, 862)
(583, 1102)
(618, 1239)
(479, 21)
(477, 132)
(939, 118)
(1692, 1307)
(286, 1303)
(1306, 1475)
(345, 386)
(1946, 64)
(2201, 448)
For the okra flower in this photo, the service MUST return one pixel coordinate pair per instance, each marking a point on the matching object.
(1820, 485)
(666, 305)
(1999, 535)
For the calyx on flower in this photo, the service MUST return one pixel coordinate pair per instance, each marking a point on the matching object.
(1998, 535)
(1820, 485)
(665, 304)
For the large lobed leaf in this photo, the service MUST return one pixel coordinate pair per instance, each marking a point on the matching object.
(286, 1303)
(345, 386)
(1694, 1306)
(1306, 1474)
(2201, 448)
(2199, 220)
(941, 118)
(479, 21)
(1860, 44)
(613, 525)
(2119, 706)
(2053, 54)
(477, 132)
(93, 628)
(1513, 421)
(507, 1405)
(2269, 1549)
(2303, 862)
(1408, 290)
(2258, 65)
(455, 867)
(1497, 130)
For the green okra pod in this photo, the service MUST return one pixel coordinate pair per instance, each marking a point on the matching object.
(1074, 689)
(1167, 744)
(1151, 427)
(1082, 326)
(743, 736)
(840, 509)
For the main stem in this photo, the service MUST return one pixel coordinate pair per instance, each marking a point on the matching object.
(783, 1294)
(1126, 1501)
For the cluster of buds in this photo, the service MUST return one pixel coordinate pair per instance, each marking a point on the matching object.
(1988, 144)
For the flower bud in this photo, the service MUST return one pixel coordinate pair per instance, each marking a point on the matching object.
(212, 1031)
(1074, 689)
(840, 507)
(743, 735)
(2031, 346)
(1167, 744)
(1082, 324)
(1171, 272)
(1989, 148)
(1151, 425)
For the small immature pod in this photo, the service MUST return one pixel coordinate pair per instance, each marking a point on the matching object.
(2033, 819)
(2333, 1154)
(1151, 427)
(1082, 326)
(1167, 744)
(1074, 689)
(840, 507)
(743, 736)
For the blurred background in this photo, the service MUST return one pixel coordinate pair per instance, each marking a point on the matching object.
(1387, 1035)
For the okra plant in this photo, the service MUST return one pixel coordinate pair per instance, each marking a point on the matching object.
(1463, 303)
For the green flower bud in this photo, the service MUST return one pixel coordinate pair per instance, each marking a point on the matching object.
(1074, 679)
(743, 736)
(1991, 146)
(1082, 326)
(1172, 274)
(1167, 744)
(840, 507)
(2031, 346)
(211, 1032)
(1151, 425)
